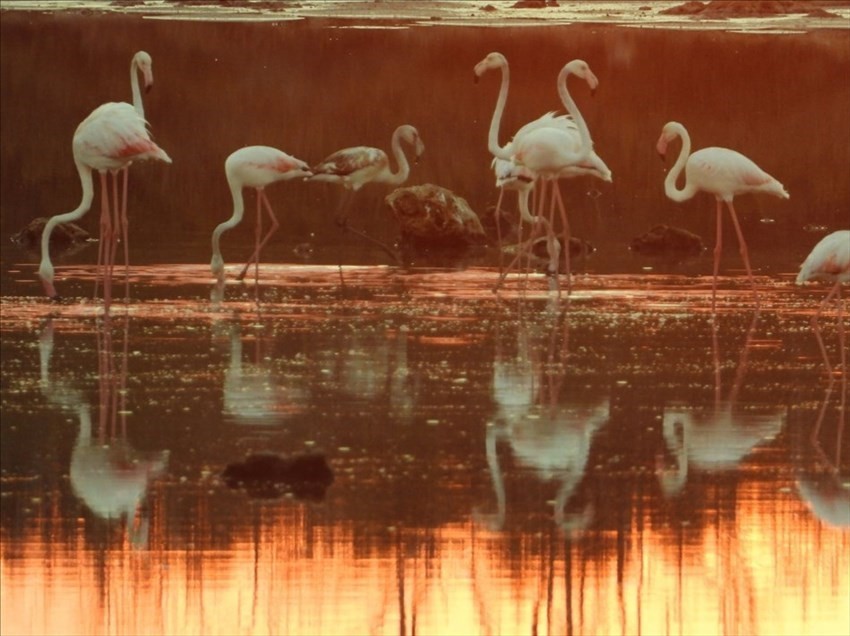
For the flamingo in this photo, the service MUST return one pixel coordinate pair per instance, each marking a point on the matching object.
(511, 176)
(254, 167)
(550, 147)
(829, 260)
(496, 60)
(106, 126)
(108, 140)
(722, 172)
(141, 63)
(357, 166)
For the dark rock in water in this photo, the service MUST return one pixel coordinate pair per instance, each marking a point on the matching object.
(663, 240)
(433, 216)
(579, 248)
(66, 237)
(267, 476)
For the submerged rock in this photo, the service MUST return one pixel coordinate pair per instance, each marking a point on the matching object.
(540, 252)
(663, 240)
(433, 216)
(66, 237)
(267, 476)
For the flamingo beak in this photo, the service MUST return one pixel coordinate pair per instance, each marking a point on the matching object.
(661, 147)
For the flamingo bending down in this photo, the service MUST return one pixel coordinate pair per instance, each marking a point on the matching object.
(722, 172)
(108, 140)
(254, 167)
(357, 166)
(829, 260)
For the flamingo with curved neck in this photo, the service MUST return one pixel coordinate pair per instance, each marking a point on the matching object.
(141, 62)
(253, 167)
(722, 172)
(354, 167)
(108, 140)
(496, 60)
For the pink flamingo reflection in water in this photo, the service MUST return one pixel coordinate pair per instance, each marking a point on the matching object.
(253, 395)
(718, 437)
(548, 436)
(820, 482)
(107, 474)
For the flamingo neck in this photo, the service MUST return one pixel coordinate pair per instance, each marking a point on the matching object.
(234, 220)
(524, 212)
(496, 121)
(400, 176)
(134, 85)
(572, 109)
(670, 188)
(45, 269)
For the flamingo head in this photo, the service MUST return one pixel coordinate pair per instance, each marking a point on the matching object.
(142, 61)
(217, 267)
(581, 69)
(668, 134)
(410, 135)
(493, 60)
(45, 273)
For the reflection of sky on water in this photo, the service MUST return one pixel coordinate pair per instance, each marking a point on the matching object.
(488, 472)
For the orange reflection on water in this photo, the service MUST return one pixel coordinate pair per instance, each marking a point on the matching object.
(755, 570)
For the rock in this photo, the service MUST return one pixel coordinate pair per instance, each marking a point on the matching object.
(66, 237)
(664, 240)
(267, 476)
(540, 253)
(433, 216)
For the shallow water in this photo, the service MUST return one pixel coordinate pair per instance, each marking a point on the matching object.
(625, 461)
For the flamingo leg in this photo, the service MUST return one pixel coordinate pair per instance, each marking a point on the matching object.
(552, 246)
(566, 246)
(744, 252)
(535, 232)
(125, 237)
(259, 242)
(107, 233)
(835, 291)
(499, 228)
(718, 246)
(258, 233)
(113, 245)
(105, 230)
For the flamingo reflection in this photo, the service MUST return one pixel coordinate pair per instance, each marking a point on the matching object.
(107, 473)
(359, 365)
(548, 436)
(253, 394)
(718, 437)
(820, 481)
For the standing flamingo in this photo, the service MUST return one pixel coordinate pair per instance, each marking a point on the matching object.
(105, 124)
(723, 173)
(357, 166)
(254, 167)
(558, 152)
(829, 260)
(141, 63)
(108, 140)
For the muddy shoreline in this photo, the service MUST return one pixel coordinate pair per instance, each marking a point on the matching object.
(758, 16)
